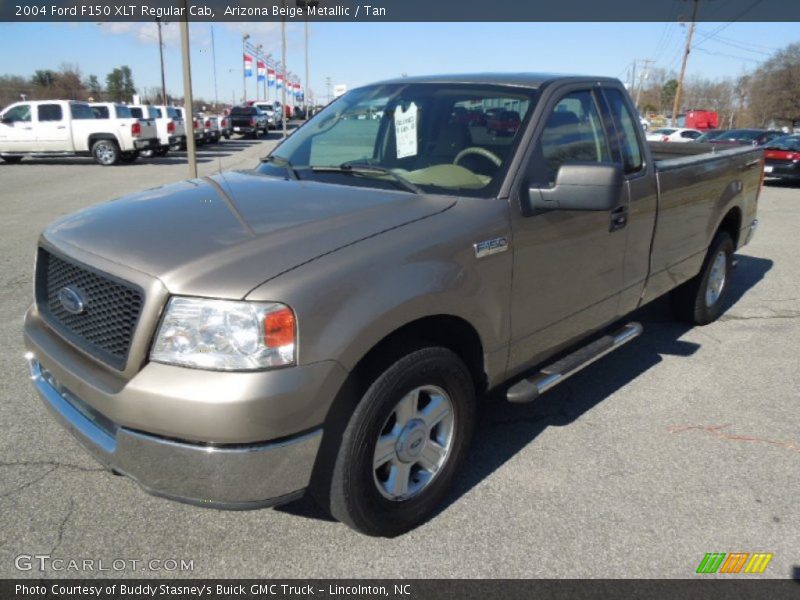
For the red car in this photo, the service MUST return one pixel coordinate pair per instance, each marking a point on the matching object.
(782, 158)
(505, 122)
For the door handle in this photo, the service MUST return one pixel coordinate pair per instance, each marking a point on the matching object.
(27, 128)
(619, 218)
(61, 127)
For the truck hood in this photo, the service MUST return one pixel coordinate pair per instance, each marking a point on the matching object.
(222, 236)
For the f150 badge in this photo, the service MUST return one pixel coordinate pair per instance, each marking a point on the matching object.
(489, 247)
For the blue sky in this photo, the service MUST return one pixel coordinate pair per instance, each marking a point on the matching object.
(358, 53)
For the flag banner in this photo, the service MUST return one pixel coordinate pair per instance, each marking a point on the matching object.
(271, 77)
(248, 65)
(280, 81)
(262, 71)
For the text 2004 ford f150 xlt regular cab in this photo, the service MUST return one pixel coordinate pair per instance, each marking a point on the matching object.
(326, 321)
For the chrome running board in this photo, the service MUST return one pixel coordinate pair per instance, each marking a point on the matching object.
(529, 389)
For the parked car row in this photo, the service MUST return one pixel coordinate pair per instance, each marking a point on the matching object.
(109, 132)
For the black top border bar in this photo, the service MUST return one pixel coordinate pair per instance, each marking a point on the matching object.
(400, 10)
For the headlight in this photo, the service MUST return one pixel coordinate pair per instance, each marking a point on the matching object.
(225, 335)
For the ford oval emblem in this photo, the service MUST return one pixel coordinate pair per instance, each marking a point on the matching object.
(71, 300)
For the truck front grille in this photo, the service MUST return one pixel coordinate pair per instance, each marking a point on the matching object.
(93, 310)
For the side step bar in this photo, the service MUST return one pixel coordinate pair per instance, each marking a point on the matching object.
(529, 389)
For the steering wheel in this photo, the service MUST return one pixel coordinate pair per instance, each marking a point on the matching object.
(480, 152)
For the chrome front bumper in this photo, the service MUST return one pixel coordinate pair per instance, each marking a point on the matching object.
(237, 476)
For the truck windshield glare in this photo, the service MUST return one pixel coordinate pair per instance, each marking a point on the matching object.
(449, 139)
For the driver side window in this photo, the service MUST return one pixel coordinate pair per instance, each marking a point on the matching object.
(19, 113)
(573, 132)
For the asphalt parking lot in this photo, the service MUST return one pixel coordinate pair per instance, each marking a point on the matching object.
(686, 441)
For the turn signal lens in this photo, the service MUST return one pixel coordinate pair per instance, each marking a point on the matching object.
(279, 328)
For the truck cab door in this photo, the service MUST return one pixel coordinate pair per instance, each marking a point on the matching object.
(568, 253)
(628, 143)
(52, 129)
(17, 133)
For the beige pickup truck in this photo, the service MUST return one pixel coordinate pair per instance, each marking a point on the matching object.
(326, 322)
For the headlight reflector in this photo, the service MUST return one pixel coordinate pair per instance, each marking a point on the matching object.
(225, 335)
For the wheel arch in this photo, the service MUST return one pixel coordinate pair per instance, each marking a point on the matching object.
(445, 330)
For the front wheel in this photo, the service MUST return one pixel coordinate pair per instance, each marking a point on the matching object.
(105, 152)
(404, 443)
(701, 299)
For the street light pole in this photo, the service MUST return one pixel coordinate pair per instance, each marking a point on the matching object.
(161, 56)
(283, 68)
(188, 103)
(305, 91)
(245, 37)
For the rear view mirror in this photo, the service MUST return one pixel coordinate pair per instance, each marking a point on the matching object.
(579, 186)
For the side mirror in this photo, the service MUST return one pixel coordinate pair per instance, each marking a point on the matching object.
(579, 186)
(7, 121)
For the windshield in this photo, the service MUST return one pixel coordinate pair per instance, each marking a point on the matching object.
(789, 142)
(740, 134)
(441, 138)
(243, 110)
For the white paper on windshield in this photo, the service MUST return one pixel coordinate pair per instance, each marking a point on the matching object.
(405, 130)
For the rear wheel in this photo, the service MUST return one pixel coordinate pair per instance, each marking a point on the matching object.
(105, 152)
(404, 443)
(161, 152)
(701, 299)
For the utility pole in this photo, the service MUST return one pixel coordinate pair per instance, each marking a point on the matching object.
(188, 104)
(283, 67)
(161, 55)
(245, 37)
(690, 35)
(214, 64)
(645, 74)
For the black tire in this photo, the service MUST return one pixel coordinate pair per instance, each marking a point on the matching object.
(106, 152)
(11, 159)
(227, 136)
(161, 152)
(354, 495)
(128, 157)
(690, 302)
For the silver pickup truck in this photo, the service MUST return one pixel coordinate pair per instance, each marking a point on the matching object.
(328, 321)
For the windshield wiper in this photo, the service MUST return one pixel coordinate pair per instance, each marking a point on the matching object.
(280, 161)
(367, 169)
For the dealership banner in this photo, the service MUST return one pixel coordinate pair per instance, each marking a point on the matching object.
(398, 10)
(398, 589)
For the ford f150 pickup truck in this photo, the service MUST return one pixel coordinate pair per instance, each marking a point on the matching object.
(328, 321)
(57, 128)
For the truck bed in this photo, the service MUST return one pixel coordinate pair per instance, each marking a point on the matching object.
(694, 180)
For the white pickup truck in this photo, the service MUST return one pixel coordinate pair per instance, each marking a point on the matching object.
(57, 128)
(134, 135)
(171, 128)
